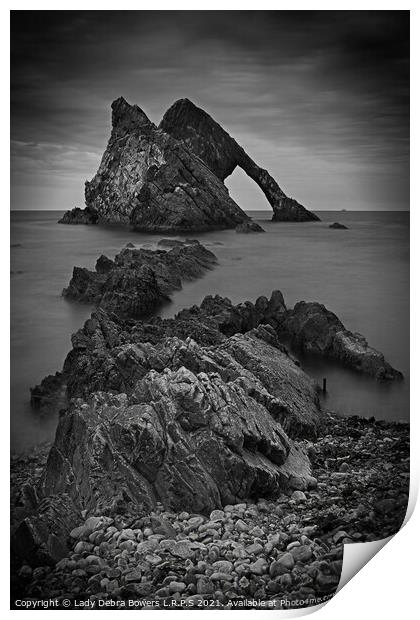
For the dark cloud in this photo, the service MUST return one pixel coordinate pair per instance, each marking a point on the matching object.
(319, 98)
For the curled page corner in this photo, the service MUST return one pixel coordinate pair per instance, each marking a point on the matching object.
(357, 555)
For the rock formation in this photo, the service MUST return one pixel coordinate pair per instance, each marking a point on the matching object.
(207, 139)
(171, 179)
(195, 412)
(192, 426)
(313, 328)
(80, 216)
(137, 282)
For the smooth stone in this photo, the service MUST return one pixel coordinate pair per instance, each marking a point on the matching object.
(221, 577)
(182, 549)
(241, 526)
(204, 585)
(83, 546)
(298, 496)
(177, 586)
(303, 553)
(284, 562)
(223, 566)
(259, 567)
(254, 549)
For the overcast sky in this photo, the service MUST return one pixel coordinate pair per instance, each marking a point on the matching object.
(320, 99)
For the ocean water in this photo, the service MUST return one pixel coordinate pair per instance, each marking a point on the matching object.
(361, 274)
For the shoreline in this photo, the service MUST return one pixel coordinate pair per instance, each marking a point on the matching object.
(289, 547)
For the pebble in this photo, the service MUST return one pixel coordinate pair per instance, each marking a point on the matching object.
(177, 586)
(299, 496)
(204, 585)
(221, 577)
(182, 549)
(241, 526)
(83, 546)
(283, 563)
(223, 566)
(303, 553)
(259, 567)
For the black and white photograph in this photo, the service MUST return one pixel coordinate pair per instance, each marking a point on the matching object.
(209, 304)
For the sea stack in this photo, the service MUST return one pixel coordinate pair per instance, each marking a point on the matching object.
(170, 179)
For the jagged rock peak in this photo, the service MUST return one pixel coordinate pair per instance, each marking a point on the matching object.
(126, 116)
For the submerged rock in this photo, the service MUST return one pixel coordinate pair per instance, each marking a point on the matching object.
(338, 226)
(249, 227)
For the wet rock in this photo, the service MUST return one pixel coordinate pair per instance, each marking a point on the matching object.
(338, 226)
(249, 227)
(315, 329)
(138, 281)
(89, 215)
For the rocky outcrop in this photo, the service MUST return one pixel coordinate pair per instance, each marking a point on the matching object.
(80, 216)
(192, 426)
(177, 434)
(137, 282)
(152, 181)
(170, 179)
(222, 154)
(249, 227)
(313, 328)
(338, 226)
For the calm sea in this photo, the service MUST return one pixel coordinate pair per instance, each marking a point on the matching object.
(361, 274)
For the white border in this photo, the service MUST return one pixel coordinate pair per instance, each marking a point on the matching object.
(387, 585)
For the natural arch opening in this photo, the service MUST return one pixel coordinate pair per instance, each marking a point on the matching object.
(246, 193)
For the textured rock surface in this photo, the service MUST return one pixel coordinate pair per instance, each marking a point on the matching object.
(314, 328)
(80, 216)
(171, 179)
(191, 426)
(138, 281)
(207, 139)
(153, 181)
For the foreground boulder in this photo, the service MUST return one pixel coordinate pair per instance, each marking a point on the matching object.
(137, 282)
(190, 426)
(313, 328)
(191, 441)
(170, 179)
